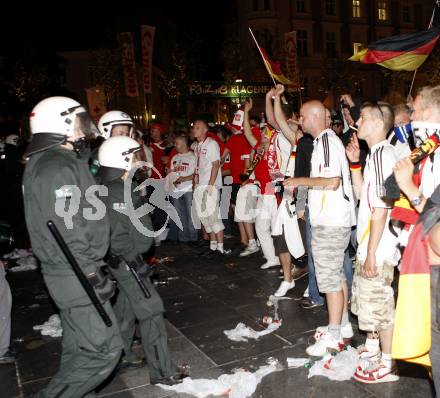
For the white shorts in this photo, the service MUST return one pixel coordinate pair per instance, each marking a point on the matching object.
(207, 207)
(246, 203)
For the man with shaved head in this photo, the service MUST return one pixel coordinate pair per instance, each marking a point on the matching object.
(332, 214)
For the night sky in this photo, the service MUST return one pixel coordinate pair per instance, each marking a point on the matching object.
(77, 27)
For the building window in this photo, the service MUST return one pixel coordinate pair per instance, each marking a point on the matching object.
(266, 5)
(301, 38)
(356, 8)
(329, 7)
(255, 5)
(406, 14)
(301, 6)
(357, 47)
(330, 44)
(382, 10)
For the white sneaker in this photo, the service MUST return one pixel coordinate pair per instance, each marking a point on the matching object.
(269, 264)
(371, 354)
(284, 288)
(324, 345)
(346, 331)
(376, 373)
(249, 250)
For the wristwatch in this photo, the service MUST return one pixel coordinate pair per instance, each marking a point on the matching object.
(416, 201)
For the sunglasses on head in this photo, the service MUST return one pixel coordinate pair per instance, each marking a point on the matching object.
(375, 104)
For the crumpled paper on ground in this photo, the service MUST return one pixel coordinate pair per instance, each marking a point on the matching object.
(25, 264)
(52, 327)
(243, 332)
(339, 367)
(18, 253)
(240, 384)
(297, 362)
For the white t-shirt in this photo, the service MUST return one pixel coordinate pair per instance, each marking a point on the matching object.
(331, 208)
(206, 153)
(182, 165)
(379, 166)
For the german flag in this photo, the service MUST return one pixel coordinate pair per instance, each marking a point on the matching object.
(401, 52)
(412, 327)
(274, 68)
(403, 211)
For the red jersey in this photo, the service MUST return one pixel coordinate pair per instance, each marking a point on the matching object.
(239, 150)
(158, 149)
(170, 156)
(220, 143)
(267, 168)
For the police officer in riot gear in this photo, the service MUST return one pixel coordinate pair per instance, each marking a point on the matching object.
(137, 299)
(111, 124)
(57, 185)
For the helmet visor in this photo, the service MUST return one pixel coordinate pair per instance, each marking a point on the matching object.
(85, 124)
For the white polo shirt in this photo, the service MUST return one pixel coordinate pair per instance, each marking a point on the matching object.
(379, 166)
(331, 208)
(207, 152)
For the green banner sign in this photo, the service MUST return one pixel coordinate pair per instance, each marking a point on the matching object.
(225, 90)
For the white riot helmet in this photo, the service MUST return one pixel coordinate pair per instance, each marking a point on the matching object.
(115, 157)
(54, 120)
(114, 118)
(12, 139)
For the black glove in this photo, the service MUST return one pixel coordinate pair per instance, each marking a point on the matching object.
(103, 285)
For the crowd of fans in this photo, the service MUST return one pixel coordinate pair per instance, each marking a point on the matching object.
(307, 190)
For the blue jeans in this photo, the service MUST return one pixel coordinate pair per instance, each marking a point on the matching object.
(313, 285)
(314, 294)
(183, 206)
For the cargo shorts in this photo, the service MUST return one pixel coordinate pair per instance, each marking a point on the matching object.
(328, 248)
(373, 298)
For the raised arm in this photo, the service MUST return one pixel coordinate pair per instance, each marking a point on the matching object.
(269, 109)
(288, 131)
(353, 155)
(246, 124)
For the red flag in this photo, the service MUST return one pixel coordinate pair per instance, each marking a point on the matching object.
(292, 60)
(147, 55)
(128, 64)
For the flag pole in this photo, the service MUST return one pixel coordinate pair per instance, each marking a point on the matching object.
(265, 64)
(262, 56)
(437, 4)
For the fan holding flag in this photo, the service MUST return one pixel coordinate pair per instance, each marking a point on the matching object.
(417, 336)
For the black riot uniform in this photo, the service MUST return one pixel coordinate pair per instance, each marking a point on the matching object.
(56, 179)
(127, 245)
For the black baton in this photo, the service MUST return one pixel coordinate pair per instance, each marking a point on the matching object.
(79, 274)
(139, 281)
